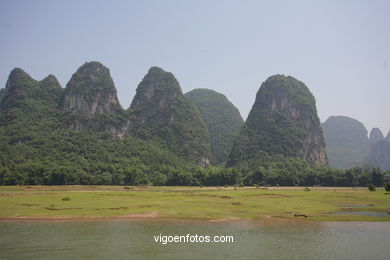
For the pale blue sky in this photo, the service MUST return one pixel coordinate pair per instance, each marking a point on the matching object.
(340, 49)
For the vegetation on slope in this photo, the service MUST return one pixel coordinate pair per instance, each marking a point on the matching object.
(222, 118)
(2, 94)
(283, 121)
(37, 146)
(161, 111)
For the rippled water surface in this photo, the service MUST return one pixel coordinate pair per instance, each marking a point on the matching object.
(134, 240)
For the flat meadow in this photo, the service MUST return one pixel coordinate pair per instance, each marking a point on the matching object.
(204, 203)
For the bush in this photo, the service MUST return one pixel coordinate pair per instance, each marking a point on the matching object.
(387, 186)
(67, 198)
(256, 186)
(241, 185)
(371, 187)
(306, 189)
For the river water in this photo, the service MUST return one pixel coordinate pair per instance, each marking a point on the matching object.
(135, 240)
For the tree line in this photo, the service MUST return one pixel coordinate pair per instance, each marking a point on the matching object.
(37, 173)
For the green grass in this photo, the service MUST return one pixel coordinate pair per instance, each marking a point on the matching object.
(189, 202)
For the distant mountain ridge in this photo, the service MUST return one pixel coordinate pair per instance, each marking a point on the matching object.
(376, 135)
(349, 146)
(379, 155)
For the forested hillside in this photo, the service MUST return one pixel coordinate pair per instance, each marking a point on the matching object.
(80, 134)
(222, 119)
(283, 122)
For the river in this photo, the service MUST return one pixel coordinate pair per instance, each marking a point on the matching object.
(114, 239)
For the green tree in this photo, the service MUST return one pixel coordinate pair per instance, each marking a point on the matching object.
(387, 186)
(371, 187)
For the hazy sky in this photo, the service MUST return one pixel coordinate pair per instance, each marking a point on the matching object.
(340, 49)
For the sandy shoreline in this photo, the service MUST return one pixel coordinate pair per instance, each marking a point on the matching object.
(154, 218)
(265, 221)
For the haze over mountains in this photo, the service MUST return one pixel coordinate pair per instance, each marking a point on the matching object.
(348, 144)
(82, 132)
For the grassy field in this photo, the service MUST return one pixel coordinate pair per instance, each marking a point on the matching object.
(208, 203)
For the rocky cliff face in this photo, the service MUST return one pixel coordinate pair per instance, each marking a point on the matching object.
(92, 98)
(388, 136)
(283, 121)
(154, 98)
(160, 110)
(91, 91)
(376, 135)
(222, 119)
(347, 144)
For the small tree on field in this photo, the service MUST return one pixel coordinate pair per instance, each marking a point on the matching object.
(387, 186)
(371, 187)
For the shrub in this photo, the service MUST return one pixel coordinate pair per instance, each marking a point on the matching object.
(241, 185)
(387, 186)
(306, 189)
(67, 198)
(256, 186)
(371, 187)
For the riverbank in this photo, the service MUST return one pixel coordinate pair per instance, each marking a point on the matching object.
(216, 204)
